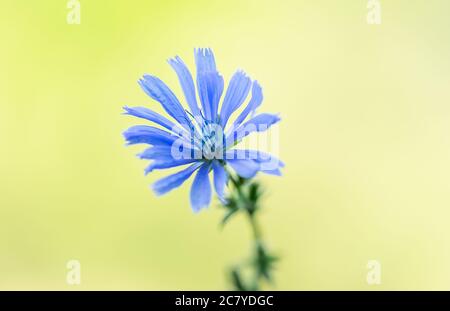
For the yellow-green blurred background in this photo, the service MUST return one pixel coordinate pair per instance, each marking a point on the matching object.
(365, 136)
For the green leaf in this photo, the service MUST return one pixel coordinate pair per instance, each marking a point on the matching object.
(236, 280)
(228, 215)
(265, 262)
(254, 192)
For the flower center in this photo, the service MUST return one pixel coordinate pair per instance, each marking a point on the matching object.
(212, 137)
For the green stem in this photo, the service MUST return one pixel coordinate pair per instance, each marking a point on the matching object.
(246, 199)
(255, 228)
(257, 240)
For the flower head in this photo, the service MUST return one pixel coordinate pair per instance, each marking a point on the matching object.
(202, 139)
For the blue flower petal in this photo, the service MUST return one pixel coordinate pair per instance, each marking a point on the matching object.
(210, 89)
(244, 168)
(275, 172)
(204, 60)
(145, 113)
(236, 93)
(259, 123)
(156, 152)
(148, 135)
(209, 83)
(201, 189)
(255, 102)
(167, 163)
(164, 152)
(256, 155)
(157, 90)
(268, 163)
(187, 83)
(173, 181)
(220, 180)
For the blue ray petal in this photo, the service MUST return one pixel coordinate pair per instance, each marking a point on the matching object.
(244, 168)
(187, 83)
(256, 155)
(210, 89)
(259, 123)
(236, 93)
(173, 181)
(157, 90)
(167, 163)
(166, 151)
(204, 60)
(220, 180)
(275, 172)
(148, 135)
(255, 102)
(145, 113)
(209, 82)
(201, 189)
(268, 163)
(156, 152)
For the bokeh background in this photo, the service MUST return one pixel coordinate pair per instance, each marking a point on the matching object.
(365, 136)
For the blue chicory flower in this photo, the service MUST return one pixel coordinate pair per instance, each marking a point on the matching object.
(199, 137)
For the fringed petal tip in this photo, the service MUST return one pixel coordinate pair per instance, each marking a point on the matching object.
(204, 51)
(175, 60)
(204, 59)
